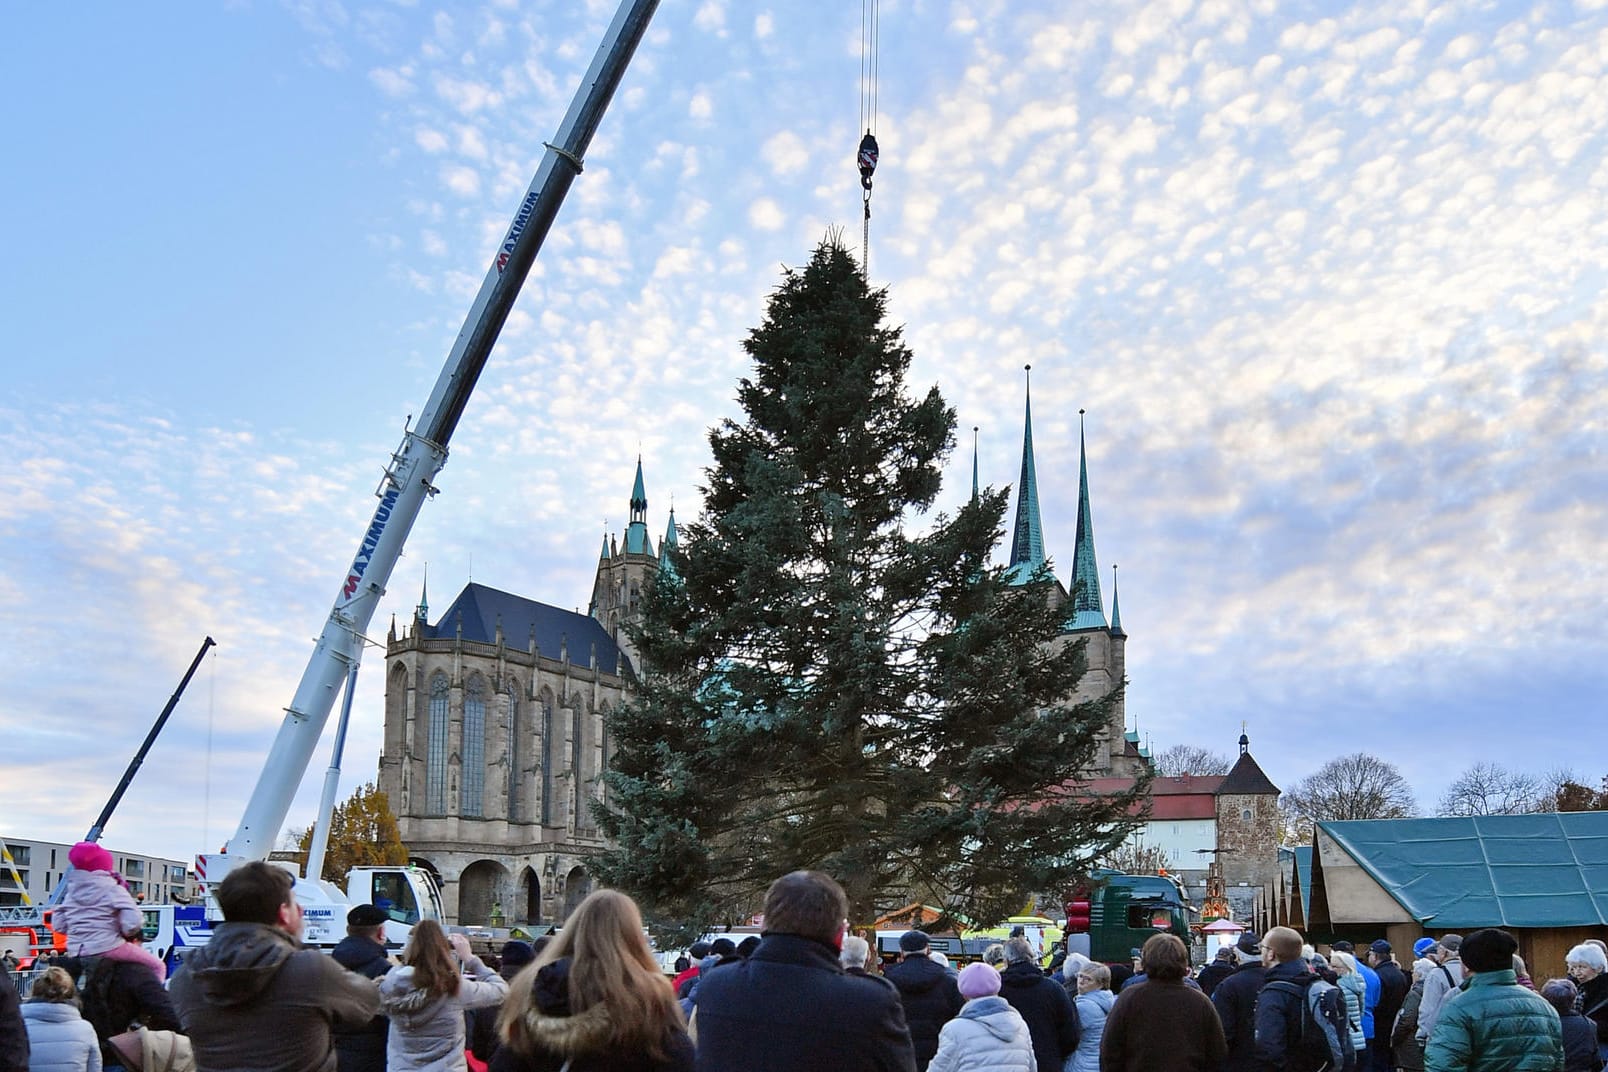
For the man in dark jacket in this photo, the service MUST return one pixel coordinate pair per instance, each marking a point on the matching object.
(789, 1007)
(13, 1032)
(1221, 967)
(1278, 1013)
(1042, 1002)
(1393, 987)
(929, 994)
(361, 1047)
(251, 999)
(1235, 1001)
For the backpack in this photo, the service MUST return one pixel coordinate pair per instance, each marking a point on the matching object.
(1324, 1038)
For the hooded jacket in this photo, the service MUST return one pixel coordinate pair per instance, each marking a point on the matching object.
(1093, 1008)
(427, 1030)
(95, 913)
(1442, 982)
(931, 999)
(585, 1039)
(252, 1001)
(1044, 1004)
(1496, 1025)
(62, 1041)
(988, 1036)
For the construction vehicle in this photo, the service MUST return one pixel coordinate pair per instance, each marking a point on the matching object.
(408, 480)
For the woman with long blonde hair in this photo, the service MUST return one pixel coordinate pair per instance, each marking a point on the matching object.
(426, 998)
(594, 1001)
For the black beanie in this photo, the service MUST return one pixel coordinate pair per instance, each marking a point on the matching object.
(1489, 950)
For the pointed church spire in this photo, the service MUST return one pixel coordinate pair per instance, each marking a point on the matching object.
(422, 611)
(667, 568)
(1116, 608)
(1087, 610)
(1027, 544)
(974, 463)
(603, 556)
(636, 533)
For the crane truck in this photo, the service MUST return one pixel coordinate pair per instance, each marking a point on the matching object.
(408, 480)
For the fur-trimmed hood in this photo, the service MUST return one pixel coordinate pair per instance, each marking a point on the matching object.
(570, 1036)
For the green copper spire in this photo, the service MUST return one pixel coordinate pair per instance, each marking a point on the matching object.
(422, 611)
(974, 463)
(636, 533)
(667, 568)
(1116, 609)
(1087, 610)
(1027, 545)
(604, 555)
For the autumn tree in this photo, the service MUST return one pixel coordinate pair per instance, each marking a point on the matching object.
(1358, 786)
(822, 686)
(362, 833)
(1183, 759)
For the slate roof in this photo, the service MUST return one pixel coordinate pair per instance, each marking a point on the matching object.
(482, 607)
(1246, 777)
(1488, 870)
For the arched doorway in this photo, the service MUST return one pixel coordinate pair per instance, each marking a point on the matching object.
(529, 903)
(577, 884)
(482, 893)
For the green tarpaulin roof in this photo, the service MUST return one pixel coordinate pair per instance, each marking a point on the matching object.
(1488, 870)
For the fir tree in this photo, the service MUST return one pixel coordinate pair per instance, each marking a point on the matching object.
(823, 688)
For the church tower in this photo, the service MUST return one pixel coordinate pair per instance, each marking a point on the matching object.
(1122, 756)
(624, 570)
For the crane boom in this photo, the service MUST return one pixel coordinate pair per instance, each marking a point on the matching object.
(408, 480)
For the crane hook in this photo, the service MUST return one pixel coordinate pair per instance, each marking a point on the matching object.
(867, 158)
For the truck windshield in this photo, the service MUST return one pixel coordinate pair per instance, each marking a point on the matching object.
(394, 897)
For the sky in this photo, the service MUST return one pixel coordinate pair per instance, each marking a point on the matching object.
(1327, 280)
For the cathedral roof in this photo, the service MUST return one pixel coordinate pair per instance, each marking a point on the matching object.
(481, 609)
(1246, 777)
(1027, 542)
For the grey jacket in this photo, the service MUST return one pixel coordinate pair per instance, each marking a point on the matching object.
(252, 1001)
(60, 1039)
(427, 1030)
(987, 1036)
(1441, 982)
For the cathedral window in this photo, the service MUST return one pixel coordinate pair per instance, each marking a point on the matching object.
(472, 800)
(435, 763)
(549, 749)
(515, 804)
(583, 817)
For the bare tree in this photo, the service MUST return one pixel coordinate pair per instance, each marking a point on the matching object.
(1490, 789)
(1136, 858)
(1190, 759)
(1358, 786)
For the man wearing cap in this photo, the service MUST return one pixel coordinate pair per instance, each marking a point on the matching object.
(1443, 981)
(251, 999)
(1495, 1025)
(1235, 1002)
(695, 952)
(929, 994)
(361, 1047)
(1393, 987)
(1221, 967)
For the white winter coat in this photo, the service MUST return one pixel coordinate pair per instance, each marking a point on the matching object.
(987, 1036)
(427, 1031)
(59, 1039)
(95, 913)
(1093, 1008)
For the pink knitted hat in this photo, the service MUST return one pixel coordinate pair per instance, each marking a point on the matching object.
(978, 981)
(88, 856)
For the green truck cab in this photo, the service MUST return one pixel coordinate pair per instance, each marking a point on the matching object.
(1115, 913)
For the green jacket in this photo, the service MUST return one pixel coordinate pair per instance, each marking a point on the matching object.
(1492, 1024)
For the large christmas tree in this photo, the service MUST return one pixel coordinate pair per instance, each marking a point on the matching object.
(821, 686)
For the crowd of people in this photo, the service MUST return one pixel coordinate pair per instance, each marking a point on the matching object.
(804, 995)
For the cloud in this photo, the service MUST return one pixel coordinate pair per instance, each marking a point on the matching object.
(766, 214)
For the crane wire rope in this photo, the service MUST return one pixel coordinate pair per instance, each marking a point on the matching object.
(866, 158)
